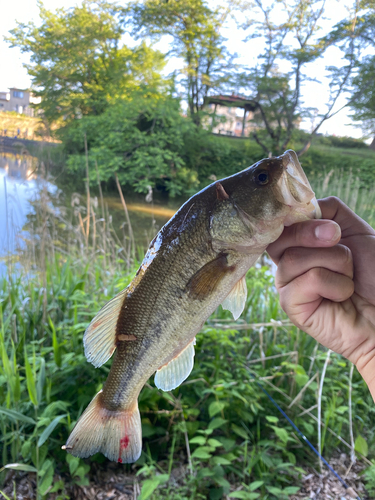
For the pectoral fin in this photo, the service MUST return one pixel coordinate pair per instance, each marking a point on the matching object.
(99, 339)
(171, 375)
(236, 300)
(205, 281)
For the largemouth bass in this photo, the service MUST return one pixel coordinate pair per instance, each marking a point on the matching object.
(196, 262)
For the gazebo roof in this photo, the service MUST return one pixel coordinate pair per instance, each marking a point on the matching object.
(231, 101)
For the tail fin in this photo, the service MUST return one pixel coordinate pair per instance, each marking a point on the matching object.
(116, 434)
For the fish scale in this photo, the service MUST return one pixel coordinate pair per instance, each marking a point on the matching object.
(197, 261)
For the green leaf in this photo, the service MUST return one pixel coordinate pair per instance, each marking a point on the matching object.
(301, 379)
(216, 423)
(272, 419)
(5, 496)
(24, 467)
(73, 463)
(198, 440)
(48, 430)
(275, 491)
(218, 460)
(281, 433)
(245, 495)
(55, 344)
(215, 407)
(202, 452)
(226, 442)
(15, 415)
(30, 382)
(291, 490)
(361, 446)
(150, 485)
(240, 431)
(214, 443)
(342, 409)
(47, 477)
(41, 380)
(255, 485)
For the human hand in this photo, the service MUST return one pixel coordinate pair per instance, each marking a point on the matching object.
(326, 282)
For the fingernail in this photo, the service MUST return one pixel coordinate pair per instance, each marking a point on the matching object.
(327, 232)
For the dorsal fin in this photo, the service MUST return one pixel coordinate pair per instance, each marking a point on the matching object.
(171, 375)
(236, 300)
(99, 339)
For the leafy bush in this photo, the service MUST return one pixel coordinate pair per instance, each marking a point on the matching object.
(341, 142)
(146, 142)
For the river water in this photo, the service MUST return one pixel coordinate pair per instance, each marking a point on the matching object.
(20, 186)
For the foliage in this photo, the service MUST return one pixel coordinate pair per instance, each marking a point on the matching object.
(218, 425)
(355, 39)
(194, 28)
(148, 144)
(364, 102)
(78, 64)
(277, 95)
(144, 141)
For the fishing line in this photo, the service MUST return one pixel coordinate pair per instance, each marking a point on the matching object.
(300, 433)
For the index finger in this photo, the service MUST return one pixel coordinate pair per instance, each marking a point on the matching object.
(340, 221)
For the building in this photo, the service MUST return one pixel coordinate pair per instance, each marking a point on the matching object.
(18, 100)
(231, 114)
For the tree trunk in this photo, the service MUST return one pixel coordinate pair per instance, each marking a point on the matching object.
(243, 123)
(372, 145)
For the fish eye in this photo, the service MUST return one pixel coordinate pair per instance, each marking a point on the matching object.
(262, 178)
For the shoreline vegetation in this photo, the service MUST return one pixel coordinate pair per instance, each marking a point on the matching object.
(122, 129)
(216, 436)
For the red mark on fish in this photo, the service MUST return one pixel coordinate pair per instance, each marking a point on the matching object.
(124, 442)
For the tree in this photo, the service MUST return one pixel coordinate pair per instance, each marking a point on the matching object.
(195, 32)
(276, 93)
(142, 140)
(362, 100)
(78, 64)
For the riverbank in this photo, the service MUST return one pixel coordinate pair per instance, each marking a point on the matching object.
(17, 125)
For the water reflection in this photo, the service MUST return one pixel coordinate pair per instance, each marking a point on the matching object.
(20, 188)
(18, 185)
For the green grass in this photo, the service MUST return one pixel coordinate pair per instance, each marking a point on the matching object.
(218, 425)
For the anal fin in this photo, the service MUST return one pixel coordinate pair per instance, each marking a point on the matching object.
(171, 375)
(236, 300)
(99, 339)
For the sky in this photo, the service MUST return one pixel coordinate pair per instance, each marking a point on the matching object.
(13, 74)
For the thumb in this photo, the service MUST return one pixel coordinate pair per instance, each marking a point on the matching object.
(312, 234)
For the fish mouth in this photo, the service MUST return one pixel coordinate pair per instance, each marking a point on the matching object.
(293, 188)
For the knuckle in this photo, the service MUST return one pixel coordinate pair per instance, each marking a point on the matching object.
(316, 276)
(291, 256)
(333, 201)
(346, 255)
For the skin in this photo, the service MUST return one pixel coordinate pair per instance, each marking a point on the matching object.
(326, 282)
